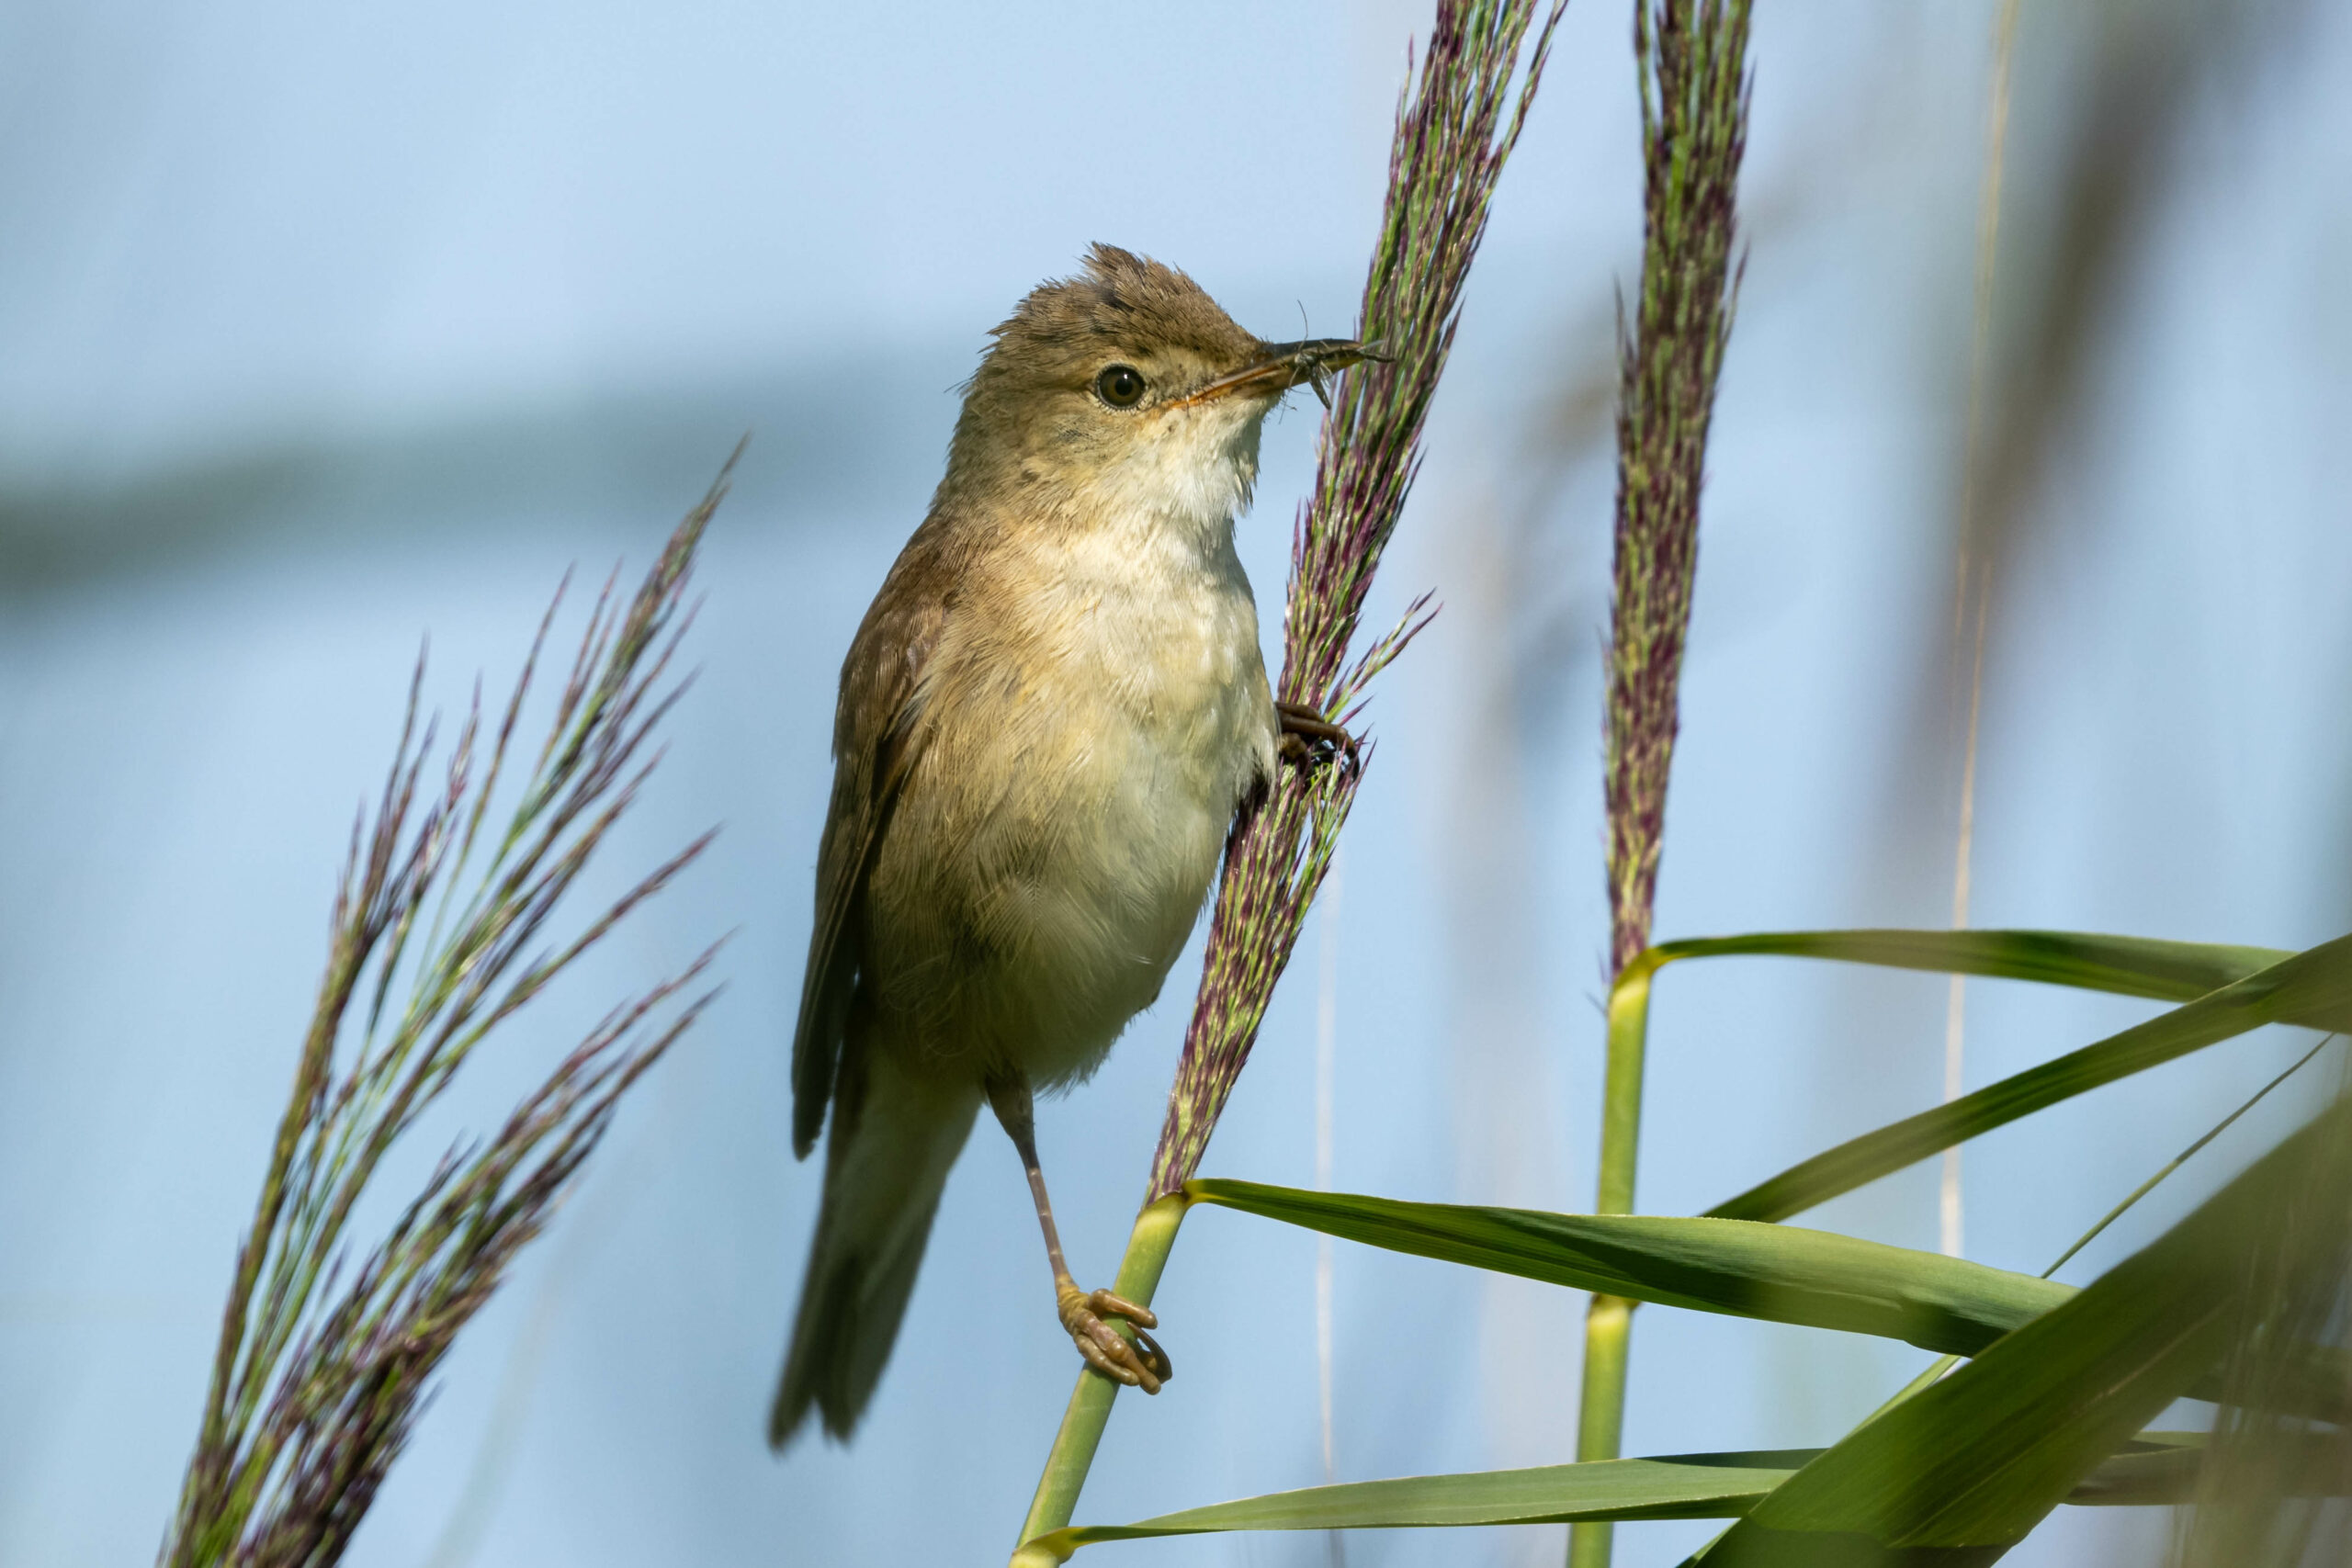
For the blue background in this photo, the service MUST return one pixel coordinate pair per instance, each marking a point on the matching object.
(322, 327)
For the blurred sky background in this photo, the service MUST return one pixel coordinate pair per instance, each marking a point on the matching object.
(323, 328)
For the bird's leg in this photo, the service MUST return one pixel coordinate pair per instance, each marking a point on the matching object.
(1140, 1363)
(1307, 736)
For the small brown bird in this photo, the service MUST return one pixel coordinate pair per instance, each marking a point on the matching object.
(1048, 718)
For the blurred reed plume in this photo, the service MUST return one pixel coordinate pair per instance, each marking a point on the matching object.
(323, 1363)
(1454, 132)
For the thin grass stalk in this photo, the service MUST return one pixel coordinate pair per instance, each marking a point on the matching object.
(1456, 124)
(1691, 59)
(1973, 529)
(327, 1347)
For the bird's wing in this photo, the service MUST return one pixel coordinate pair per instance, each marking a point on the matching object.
(877, 734)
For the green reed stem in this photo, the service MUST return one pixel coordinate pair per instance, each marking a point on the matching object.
(1609, 1321)
(1072, 1454)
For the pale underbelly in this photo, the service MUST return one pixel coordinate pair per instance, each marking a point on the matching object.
(1076, 854)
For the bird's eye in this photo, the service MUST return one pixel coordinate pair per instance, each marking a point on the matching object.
(1121, 385)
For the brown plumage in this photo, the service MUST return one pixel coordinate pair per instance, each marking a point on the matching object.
(1047, 719)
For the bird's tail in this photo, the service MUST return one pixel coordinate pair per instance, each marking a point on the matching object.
(895, 1136)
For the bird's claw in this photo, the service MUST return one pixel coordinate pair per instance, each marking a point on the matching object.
(1308, 738)
(1138, 1363)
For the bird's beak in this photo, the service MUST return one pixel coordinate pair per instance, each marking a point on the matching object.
(1281, 366)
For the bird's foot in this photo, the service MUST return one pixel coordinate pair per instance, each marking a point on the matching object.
(1308, 738)
(1138, 1363)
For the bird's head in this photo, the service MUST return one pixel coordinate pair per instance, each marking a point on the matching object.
(1128, 386)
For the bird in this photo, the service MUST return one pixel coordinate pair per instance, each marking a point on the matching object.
(1049, 719)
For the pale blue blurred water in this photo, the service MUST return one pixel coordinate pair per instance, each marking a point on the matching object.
(324, 332)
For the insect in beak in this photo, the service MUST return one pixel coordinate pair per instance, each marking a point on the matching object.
(1283, 366)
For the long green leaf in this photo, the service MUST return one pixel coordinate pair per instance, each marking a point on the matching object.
(2129, 965)
(2132, 965)
(1960, 1472)
(1779, 1273)
(2154, 1468)
(2312, 988)
(1680, 1486)
(1739, 1268)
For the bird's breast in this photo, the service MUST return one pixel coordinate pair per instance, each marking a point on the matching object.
(1151, 642)
(1158, 717)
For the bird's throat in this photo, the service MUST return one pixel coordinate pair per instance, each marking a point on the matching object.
(1192, 474)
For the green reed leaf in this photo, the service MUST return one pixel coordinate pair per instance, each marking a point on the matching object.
(1961, 1471)
(1773, 1273)
(2090, 961)
(2312, 988)
(1777, 1273)
(2154, 1468)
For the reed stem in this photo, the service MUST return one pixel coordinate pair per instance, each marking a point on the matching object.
(1609, 1320)
(1088, 1411)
